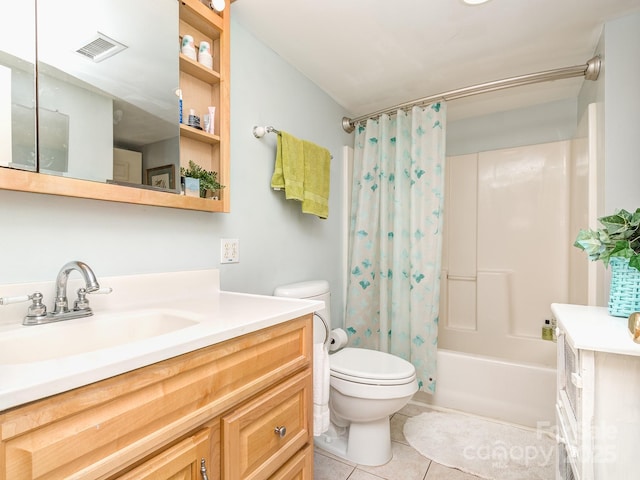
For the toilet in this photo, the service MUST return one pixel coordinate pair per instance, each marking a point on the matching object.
(366, 388)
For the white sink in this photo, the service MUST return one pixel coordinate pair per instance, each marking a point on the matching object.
(71, 337)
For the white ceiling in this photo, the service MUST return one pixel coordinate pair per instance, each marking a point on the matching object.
(372, 54)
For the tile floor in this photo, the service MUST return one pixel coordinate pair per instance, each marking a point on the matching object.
(406, 464)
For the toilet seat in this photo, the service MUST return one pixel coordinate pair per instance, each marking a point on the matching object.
(370, 367)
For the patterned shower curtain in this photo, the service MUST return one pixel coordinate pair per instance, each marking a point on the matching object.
(395, 237)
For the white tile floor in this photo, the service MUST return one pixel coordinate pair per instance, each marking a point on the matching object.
(406, 464)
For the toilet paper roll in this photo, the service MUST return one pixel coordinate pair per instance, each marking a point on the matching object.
(337, 339)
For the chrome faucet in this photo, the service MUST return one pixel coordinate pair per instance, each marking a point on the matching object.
(62, 305)
(37, 312)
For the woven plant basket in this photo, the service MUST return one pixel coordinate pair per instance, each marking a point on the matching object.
(624, 296)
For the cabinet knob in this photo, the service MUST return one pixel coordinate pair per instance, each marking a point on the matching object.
(203, 470)
(281, 431)
(576, 379)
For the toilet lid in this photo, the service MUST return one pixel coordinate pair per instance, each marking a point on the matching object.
(370, 366)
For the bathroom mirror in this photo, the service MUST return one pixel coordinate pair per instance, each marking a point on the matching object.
(17, 87)
(107, 74)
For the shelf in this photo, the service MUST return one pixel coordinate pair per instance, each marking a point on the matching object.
(200, 135)
(200, 16)
(198, 71)
(23, 181)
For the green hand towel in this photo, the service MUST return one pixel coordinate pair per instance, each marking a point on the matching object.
(317, 169)
(288, 173)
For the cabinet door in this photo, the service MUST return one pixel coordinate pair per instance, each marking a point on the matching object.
(575, 408)
(568, 399)
(261, 436)
(183, 461)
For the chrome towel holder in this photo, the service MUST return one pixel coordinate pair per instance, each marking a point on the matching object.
(260, 132)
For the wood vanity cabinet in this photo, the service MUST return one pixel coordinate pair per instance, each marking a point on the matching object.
(243, 406)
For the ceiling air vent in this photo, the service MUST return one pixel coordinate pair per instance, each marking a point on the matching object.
(100, 48)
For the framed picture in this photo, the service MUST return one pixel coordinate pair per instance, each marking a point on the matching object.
(162, 177)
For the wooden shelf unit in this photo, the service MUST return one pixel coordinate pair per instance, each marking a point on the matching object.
(203, 87)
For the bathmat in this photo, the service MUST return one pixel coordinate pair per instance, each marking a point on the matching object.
(484, 448)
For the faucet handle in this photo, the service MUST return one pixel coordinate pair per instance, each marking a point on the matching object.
(36, 311)
(35, 307)
(102, 291)
(82, 304)
(16, 299)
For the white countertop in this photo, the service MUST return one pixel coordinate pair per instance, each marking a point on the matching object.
(592, 328)
(220, 315)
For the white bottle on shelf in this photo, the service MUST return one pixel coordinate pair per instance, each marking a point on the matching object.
(204, 54)
(188, 47)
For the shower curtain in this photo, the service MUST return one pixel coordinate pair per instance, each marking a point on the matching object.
(395, 237)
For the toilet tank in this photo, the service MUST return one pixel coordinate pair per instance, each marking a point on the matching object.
(311, 290)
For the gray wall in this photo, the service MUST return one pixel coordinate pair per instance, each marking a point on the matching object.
(544, 123)
(622, 113)
(278, 244)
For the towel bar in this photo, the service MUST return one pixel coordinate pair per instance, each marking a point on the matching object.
(260, 132)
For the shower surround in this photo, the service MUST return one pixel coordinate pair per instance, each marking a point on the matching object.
(506, 258)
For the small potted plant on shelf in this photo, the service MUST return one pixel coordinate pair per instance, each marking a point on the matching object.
(617, 243)
(209, 185)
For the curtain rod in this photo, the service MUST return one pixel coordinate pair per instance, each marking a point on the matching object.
(590, 71)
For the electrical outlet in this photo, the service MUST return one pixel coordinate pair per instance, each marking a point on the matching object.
(229, 250)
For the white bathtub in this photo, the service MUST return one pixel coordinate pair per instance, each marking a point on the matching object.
(511, 392)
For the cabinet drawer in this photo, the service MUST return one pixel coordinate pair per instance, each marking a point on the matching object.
(300, 467)
(253, 448)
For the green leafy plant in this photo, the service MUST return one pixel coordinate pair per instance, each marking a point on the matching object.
(208, 179)
(619, 237)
